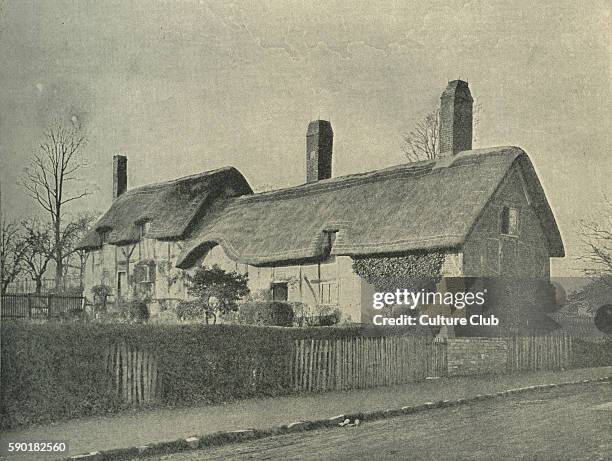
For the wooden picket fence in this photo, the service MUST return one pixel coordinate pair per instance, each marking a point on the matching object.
(340, 364)
(135, 374)
(535, 353)
(324, 365)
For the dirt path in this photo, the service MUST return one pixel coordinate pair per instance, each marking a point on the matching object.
(563, 423)
(163, 424)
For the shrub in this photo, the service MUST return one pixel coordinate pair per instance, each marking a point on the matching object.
(100, 294)
(136, 311)
(319, 315)
(186, 310)
(216, 291)
(332, 317)
(272, 313)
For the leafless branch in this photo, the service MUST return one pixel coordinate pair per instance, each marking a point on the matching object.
(597, 243)
(50, 180)
(12, 253)
(422, 142)
(39, 248)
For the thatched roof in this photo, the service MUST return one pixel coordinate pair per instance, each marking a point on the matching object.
(170, 207)
(413, 207)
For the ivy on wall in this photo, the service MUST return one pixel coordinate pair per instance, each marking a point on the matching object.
(413, 271)
(170, 272)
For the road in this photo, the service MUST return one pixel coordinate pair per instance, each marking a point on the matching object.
(573, 422)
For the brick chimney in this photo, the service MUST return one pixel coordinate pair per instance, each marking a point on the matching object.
(119, 175)
(319, 143)
(455, 118)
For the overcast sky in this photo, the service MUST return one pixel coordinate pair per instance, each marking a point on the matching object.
(185, 86)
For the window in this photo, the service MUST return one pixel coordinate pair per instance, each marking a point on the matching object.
(103, 235)
(280, 291)
(144, 228)
(145, 245)
(328, 292)
(121, 284)
(148, 273)
(329, 237)
(144, 272)
(509, 221)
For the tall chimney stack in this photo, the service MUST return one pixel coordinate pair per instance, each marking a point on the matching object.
(319, 143)
(455, 118)
(119, 175)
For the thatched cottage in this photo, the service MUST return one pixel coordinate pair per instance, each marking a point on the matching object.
(483, 213)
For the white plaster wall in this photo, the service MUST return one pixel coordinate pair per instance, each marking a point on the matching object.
(336, 274)
(452, 265)
(343, 286)
(103, 264)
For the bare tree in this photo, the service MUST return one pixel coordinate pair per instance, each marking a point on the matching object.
(597, 242)
(76, 258)
(50, 180)
(12, 250)
(39, 249)
(423, 141)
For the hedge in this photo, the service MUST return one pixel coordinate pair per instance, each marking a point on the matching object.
(588, 354)
(54, 371)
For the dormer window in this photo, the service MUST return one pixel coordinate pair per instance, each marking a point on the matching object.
(329, 237)
(103, 233)
(509, 221)
(144, 227)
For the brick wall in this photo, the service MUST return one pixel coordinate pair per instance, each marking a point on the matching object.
(476, 356)
(319, 146)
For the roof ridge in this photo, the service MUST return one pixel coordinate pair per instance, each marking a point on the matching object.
(422, 166)
(170, 206)
(170, 182)
(340, 181)
(381, 173)
(400, 209)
